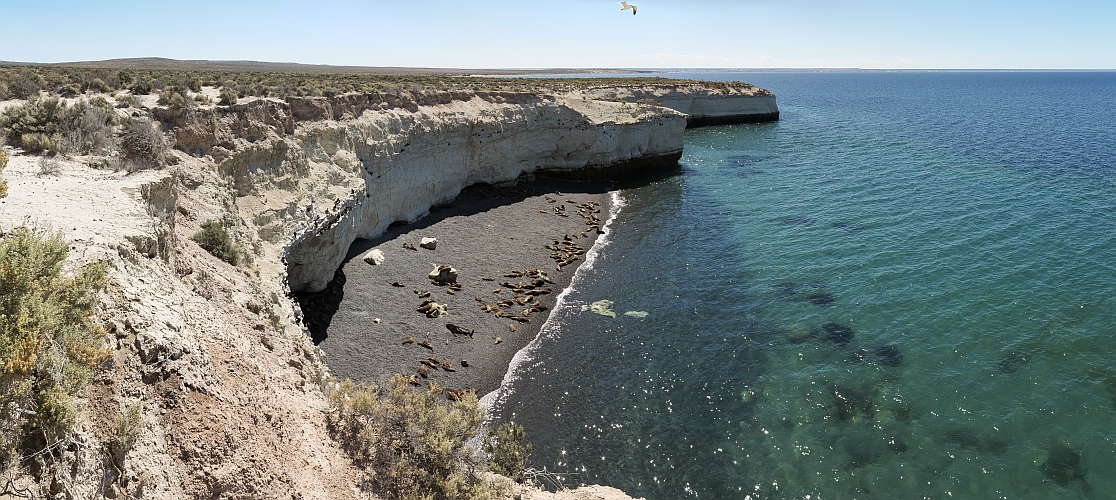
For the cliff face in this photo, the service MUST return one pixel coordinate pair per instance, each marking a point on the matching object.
(304, 198)
(709, 104)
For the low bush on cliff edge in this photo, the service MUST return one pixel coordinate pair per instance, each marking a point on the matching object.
(49, 341)
(215, 240)
(508, 447)
(412, 442)
(142, 145)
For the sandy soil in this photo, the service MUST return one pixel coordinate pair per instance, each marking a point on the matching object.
(486, 234)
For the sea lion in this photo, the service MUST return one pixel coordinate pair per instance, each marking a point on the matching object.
(415, 380)
(485, 278)
(511, 326)
(457, 330)
(409, 246)
(408, 340)
(397, 284)
(477, 298)
(422, 371)
(450, 291)
(423, 295)
(448, 367)
(429, 363)
(497, 290)
(425, 344)
(452, 396)
(497, 341)
(465, 363)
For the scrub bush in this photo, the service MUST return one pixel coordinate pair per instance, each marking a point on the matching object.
(142, 144)
(50, 342)
(228, 97)
(50, 125)
(215, 240)
(508, 447)
(414, 443)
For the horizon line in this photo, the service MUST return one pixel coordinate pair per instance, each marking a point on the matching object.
(247, 64)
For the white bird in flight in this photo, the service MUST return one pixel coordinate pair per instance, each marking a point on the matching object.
(626, 6)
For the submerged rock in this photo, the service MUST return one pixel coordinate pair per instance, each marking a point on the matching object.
(821, 298)
(797, 333)
(837, 333)
(1063, 465)
(888, 355)
(602, 307)
(1012, 361)
(636, 314)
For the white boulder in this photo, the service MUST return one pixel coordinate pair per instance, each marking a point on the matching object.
(374, 256)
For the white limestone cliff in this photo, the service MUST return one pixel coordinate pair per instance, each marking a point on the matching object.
(709, 103)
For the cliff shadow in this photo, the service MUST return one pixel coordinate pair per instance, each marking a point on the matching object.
(318, 308)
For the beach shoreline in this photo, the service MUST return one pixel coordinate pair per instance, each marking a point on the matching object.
(489, 235)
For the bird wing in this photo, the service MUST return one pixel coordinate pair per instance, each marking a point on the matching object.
(633, 10)
(623, 5)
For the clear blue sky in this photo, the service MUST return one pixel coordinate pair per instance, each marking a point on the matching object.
(1065, 34)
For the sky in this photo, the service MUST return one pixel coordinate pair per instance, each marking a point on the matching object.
(870, 34)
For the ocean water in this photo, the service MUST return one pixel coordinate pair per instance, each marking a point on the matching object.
(905, 288)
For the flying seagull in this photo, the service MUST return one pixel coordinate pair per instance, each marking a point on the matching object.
(625, 6)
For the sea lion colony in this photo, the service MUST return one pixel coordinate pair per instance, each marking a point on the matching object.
(528, 287)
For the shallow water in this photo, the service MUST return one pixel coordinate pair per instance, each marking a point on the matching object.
(903, 289)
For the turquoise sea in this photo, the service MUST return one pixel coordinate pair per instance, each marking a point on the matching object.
(905, 288)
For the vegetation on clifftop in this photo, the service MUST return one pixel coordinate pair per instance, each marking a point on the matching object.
(50, 342)
(22, 82)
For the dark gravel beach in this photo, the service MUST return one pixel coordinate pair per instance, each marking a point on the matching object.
(497, 239)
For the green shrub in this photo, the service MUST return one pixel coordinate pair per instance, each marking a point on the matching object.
(50, 125)
(413, 442)
(175, 97)
(40, 116)
(142, 87)
(49, 340)
(125, 430)
(126, 100)
(215, 240)
(36, 142)
(202, 99)
(508, 447)
(228, 97)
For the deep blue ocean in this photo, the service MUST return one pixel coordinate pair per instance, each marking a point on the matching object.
(905, 288)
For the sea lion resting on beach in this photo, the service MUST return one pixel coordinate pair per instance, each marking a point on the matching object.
(457, 330)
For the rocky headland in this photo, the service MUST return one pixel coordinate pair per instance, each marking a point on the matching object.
(230, 388)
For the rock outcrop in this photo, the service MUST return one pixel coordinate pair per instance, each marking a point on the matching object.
(712, 103)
